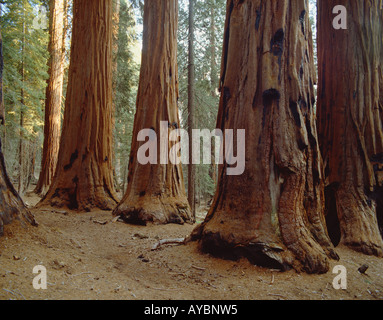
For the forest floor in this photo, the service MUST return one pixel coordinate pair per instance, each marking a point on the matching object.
(89, 257)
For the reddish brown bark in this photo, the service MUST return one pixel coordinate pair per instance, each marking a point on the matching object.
(54, 92)
(156, 192)
(273, 214)
(350, 120)
(84, 174)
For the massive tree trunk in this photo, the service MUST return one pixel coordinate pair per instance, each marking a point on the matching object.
(84, 174)
(156, 192)
(350, 121)
(273, 213)
(11, 206)
(54, 94)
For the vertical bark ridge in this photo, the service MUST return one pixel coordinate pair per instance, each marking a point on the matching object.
(54, 92)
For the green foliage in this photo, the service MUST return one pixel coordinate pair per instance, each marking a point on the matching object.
(209, 25)
(25, 73)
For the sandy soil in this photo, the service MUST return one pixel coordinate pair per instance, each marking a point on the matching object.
(89, 257)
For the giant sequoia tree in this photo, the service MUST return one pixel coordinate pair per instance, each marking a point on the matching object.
(11, 206)
(350, 121)
(54, 94)
(156, 192)
(84, 174)
(273, 214)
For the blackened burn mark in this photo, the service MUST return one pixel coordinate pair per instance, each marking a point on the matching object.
(73, 158)
(295, 113)
(226, 98)
(269, 96)
(258, 19)
(276, 43)
(302, 20)
(377, 158)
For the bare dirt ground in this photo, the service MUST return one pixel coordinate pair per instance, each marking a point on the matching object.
(88, 257)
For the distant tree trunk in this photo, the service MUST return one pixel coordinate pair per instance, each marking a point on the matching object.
(350, 121)
(273, 213)
(191, 111)
(156, 192)
(22, 150)
(84, 175)
(11, 206)
(213, 81)
(54, 94)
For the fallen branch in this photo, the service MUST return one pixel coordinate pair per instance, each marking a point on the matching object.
(179, 241)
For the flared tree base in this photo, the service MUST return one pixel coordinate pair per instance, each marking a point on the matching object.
(359, 223)
(303, 257)
(154, 209)
(12, 208)
(65, 198)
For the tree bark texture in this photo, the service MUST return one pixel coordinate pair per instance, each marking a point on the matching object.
(273, 214)
(84, 176)
(191, 110)
(11, 206)
(350, 120)
(54, 93)
(156, 193)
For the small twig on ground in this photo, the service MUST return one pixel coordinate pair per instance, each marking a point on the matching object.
(198, 268)
(179, 241)
(276, 295)
(103, 223)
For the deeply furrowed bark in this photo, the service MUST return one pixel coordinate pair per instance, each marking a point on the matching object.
(54, 92)
(156, 192)
(350, 120)
(273, 213)
(84, 176)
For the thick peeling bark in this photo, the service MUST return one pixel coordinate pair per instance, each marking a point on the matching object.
(84, 174)
(350, 120)
(273, 213)
(54, 92)
(156, 192)
(11, 206)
